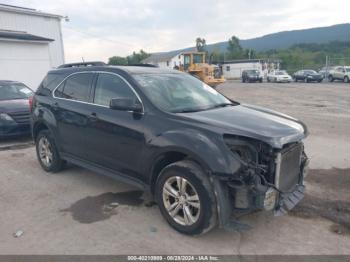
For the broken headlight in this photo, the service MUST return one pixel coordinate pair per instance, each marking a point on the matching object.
(245, 151)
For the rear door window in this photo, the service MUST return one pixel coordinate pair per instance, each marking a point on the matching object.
(76, 87)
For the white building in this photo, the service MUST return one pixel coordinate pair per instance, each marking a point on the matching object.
(165, 60)
(30, 44)
(233, 69)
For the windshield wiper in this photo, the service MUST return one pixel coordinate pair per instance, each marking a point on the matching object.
(189, 110)
(221, 105)
(192, 110)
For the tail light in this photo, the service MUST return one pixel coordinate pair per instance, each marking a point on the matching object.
(31, 103)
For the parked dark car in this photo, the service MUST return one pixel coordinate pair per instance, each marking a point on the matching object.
(15, 98)
(307, 76)
(251, 75)
(201, 155)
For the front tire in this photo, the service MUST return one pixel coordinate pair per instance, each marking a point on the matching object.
(47, 152)
(346, 79)
(185, 198)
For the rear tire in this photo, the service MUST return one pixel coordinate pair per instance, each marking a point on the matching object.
(47, 152)
(330, 78)
(186, 198)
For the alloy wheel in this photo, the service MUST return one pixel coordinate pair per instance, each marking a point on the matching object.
(181, 200)
(45, 151)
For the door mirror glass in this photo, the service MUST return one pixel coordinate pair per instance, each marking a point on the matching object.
(126, 104)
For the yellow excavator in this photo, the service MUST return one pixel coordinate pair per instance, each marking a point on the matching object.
(194, 64)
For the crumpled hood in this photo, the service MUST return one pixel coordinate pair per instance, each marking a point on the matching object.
(17, 105)
(260, 123)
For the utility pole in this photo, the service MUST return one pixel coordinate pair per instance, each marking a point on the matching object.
(327, 62)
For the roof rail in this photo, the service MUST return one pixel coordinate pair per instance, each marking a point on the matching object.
(83, 64)
(143, 65)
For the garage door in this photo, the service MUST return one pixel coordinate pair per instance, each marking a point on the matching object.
(27, 62)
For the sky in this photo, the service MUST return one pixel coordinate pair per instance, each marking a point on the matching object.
(99, 29)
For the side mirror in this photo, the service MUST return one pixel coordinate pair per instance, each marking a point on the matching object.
(126, 104)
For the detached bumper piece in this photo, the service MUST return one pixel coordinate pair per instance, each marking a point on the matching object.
(288, 201)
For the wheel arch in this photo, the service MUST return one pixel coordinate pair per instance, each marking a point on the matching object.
(38, 127)
(171, 156)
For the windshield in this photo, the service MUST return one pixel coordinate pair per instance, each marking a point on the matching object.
(310, 72)
(253, 72)
(180, 93)
(11, 91)
(281, 73)
(198, 58)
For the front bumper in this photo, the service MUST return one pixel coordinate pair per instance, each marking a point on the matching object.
(288, 201)
(257, 195)
(250, 192)
(284, 80)
(254, 78)
(314, 79)
(213, 82)
(14, 129)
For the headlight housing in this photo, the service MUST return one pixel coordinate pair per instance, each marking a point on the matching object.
(246, 152)
(5, 117)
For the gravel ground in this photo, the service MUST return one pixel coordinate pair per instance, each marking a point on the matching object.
(79, 212)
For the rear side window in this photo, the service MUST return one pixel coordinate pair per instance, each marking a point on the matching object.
(110, 86)
(49, 83)
(76, 87)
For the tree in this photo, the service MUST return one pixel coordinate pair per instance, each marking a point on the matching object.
(200, 44)
(134, 58)
(234, 48)
(216, 56)
(117, 60)
(249, 53)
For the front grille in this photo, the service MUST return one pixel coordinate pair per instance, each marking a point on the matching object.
(288, 167)
(21, 117)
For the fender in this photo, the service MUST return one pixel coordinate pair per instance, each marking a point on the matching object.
(215, 156)
(43, 115)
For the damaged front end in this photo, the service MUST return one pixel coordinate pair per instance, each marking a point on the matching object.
(268, 179)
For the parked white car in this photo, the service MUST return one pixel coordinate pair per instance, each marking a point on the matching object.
(340, 73)
(279, 76)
